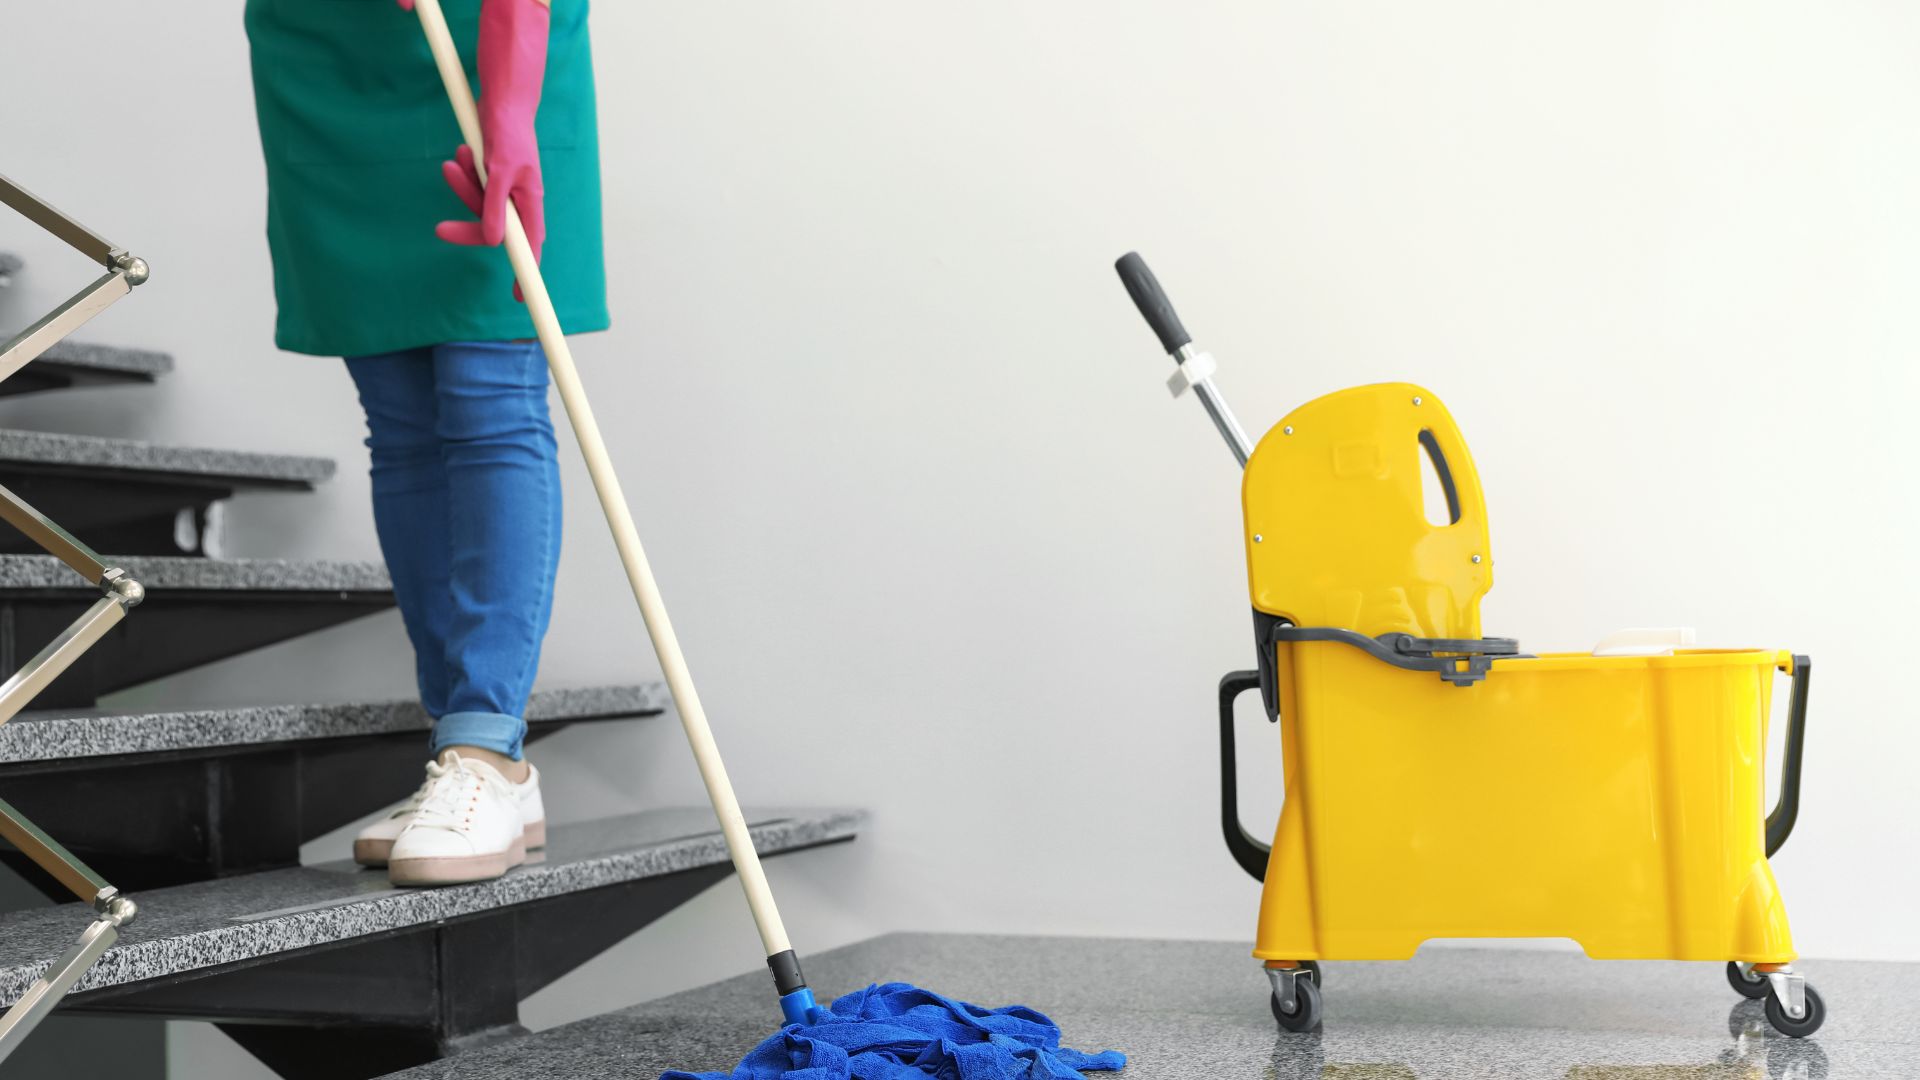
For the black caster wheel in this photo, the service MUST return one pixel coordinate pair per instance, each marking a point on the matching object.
(1306, 1007)
(1746, 984)
(1312, 968)
(1803, 1027)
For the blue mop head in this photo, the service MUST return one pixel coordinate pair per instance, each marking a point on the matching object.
(900, 1032)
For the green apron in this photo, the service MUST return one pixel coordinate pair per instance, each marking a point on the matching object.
(354, 124)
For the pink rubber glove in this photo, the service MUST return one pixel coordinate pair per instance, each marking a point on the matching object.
(464, 179)
(513, 65)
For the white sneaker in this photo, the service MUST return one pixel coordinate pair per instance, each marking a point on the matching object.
(373, 845)
(468, 826)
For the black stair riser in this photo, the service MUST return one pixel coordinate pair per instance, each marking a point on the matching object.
(174, 630)
(125, 511)
(392, 977)
(147, 821)
(43, 374)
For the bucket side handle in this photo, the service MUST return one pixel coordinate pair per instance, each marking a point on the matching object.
(1787, 809)
(1251, 854)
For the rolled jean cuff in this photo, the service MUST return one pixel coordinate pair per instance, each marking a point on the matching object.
(497, 732)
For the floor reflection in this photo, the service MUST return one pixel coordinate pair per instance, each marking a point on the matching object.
(1755, 1040)
(1727, 1071)
(1304, 1057)
(1756, 1053)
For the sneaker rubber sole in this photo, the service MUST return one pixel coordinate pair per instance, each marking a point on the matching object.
(456, 869)
(373, 853)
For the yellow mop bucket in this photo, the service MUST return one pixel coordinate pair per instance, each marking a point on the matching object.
(1442, 784)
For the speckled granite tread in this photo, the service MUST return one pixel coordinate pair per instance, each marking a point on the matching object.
(169, 572)
(210, 923)
(55, 734)
(48, 448)
(115, 358)
(1197, 1010)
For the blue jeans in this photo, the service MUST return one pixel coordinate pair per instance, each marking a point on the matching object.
(466, 501)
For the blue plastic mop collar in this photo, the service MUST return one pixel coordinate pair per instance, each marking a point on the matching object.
(800, 1008)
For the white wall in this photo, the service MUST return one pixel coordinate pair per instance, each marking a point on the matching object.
(938, 543)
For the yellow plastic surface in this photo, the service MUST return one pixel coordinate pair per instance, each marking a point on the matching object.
(1337, 532)
(1616, 801)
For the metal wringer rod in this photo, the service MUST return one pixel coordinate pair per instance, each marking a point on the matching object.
(119, 593)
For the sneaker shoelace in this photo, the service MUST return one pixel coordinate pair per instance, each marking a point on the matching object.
(414, 800)
(452, 792)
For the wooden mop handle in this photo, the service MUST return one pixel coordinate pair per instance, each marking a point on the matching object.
(600, 467)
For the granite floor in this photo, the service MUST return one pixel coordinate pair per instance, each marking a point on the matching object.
(1199, 1010)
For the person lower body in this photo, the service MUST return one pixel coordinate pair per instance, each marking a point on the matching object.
(466, 502)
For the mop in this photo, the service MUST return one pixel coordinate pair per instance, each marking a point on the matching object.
(886, 1030)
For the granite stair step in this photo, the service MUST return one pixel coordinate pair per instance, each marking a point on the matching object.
(55, 740)
(139, 498)
(162, 798)
(75, 363)
(329, 970)
(196, 611)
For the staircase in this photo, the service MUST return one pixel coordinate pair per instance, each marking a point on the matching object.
(198, 815)
(72, 364)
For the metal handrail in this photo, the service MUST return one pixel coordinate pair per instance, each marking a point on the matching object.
(119, 593)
